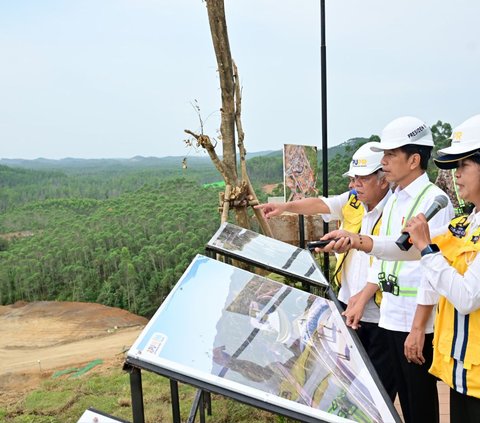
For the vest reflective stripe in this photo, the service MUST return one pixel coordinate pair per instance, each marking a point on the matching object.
(407, 292)
(456, 343)
(461, 204)
(459, 378)
(460, 336)
(404, 291)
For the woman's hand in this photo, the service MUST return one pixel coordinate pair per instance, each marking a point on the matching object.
(419, 231)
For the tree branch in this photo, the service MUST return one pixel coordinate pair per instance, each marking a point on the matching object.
(204, 142)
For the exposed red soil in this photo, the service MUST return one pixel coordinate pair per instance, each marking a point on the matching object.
(40, 337)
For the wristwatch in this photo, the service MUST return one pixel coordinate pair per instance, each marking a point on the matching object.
(430, 249)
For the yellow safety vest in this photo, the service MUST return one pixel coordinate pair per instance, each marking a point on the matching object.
(352, 213)
(456, 343)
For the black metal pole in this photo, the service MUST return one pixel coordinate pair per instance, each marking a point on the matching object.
(175, 401)
(301, 231)
(323, 62)
(136, 393)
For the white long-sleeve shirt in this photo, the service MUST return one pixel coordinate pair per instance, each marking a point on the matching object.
(397, 312)
(462, 291)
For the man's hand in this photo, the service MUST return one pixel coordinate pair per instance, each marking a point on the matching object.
(413, 347)
(346, 241)
(356, 305)
(341, 241)
(271, 209)
(353, 314)
(306, 206)
(354, 299)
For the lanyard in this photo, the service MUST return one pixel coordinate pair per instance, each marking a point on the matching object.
(461, 204)
(392, 278)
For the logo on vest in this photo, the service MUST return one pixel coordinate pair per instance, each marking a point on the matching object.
(458, 230)
(354, 202)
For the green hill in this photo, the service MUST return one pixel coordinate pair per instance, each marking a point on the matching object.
(125, 252)
(116, 232)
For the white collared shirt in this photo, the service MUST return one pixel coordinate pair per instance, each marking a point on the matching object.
(397, 312)
(463, 291)
(356, 265)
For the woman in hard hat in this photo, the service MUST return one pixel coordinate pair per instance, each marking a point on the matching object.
(452, 267)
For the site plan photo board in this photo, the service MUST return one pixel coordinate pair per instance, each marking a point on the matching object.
(262, 342)
(95, 416)
(266, 252)
(299, 171)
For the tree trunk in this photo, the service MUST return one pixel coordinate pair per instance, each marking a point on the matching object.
(221, 45)
(238, 196)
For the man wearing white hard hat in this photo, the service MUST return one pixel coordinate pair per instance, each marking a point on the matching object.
(406, 311)
(357, 210)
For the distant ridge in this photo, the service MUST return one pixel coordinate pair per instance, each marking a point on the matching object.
(147, 161)
(142, 161)
(69, 162)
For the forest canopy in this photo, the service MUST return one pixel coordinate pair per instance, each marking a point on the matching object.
(122, 233)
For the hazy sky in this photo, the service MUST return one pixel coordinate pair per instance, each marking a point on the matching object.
(117, 78)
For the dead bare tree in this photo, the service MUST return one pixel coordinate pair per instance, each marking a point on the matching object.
(239, 193)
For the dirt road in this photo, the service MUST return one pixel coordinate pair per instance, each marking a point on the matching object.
(37, 338)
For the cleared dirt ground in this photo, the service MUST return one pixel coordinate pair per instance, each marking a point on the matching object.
(40, 337)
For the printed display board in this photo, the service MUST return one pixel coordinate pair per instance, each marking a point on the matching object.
(299, 171)
(279, 256)
(264, 340)
(94, 416)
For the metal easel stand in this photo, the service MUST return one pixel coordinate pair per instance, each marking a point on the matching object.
(201, 402)
(136, 393)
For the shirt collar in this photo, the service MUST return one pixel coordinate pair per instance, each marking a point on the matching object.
(414, 187)
(381, 204)
(474, 219)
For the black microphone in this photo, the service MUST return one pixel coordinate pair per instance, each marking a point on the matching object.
(439, 202)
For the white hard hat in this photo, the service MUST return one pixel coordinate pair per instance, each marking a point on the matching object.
(403, 131)
(465, 143)
(365, 161)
